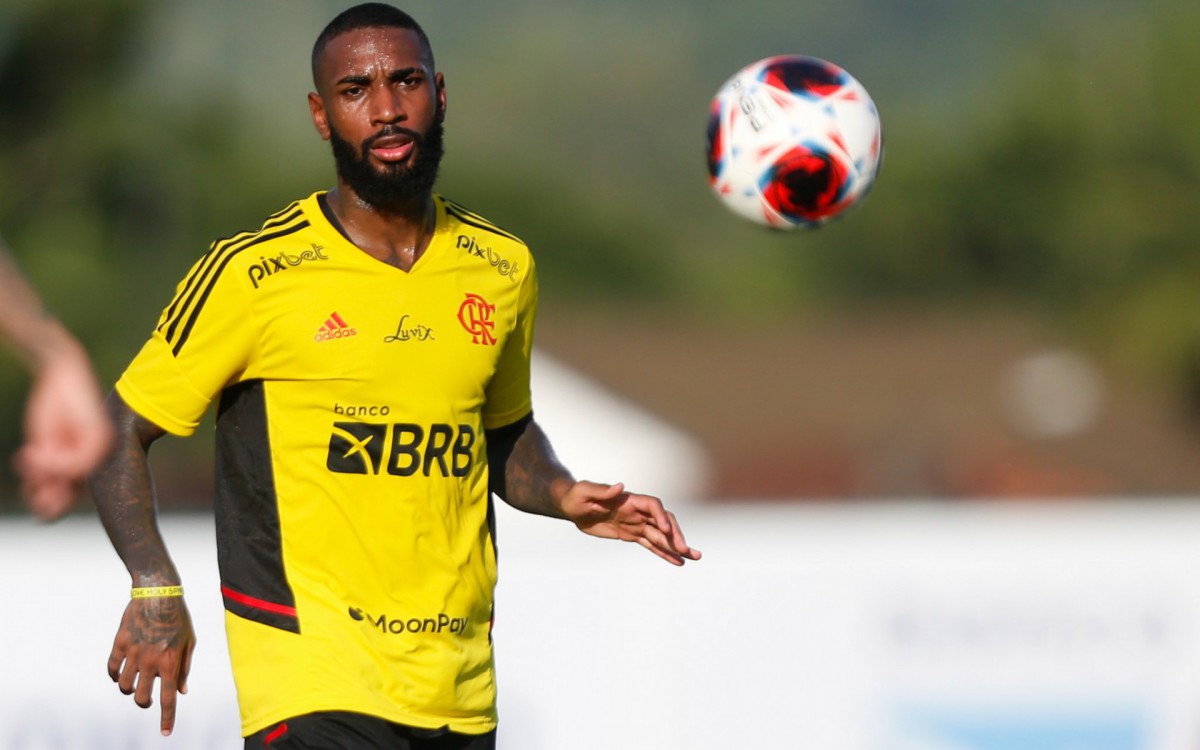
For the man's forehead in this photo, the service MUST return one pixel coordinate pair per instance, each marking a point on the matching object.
(367, 48)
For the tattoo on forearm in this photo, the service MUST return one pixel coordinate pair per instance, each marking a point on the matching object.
(532, 471)
(124, 496)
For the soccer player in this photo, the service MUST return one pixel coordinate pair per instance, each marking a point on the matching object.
(369, 349)
(66, 428)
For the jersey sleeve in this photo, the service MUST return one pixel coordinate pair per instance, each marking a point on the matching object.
(202, 343)
(509, 396)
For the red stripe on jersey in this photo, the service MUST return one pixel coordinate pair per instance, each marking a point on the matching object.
(250, 601)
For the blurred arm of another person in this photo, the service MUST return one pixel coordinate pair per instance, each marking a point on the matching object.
(66, 427)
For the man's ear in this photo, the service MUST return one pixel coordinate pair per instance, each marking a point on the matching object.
(440, 80)
(316, 108)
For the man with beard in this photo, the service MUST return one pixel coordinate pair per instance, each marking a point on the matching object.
(370, 349)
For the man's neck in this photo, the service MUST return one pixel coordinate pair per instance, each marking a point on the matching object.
(397, 236)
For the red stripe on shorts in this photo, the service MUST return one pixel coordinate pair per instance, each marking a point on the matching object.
(275, 734)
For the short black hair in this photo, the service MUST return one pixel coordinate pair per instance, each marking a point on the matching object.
(367, 16)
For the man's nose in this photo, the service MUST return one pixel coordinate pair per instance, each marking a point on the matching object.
(386, 107)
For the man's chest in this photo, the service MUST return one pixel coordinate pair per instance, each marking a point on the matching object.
(380, 333)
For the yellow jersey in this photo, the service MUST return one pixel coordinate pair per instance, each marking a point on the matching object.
(354, 523)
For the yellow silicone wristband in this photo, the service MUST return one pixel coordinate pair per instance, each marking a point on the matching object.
(152, 592)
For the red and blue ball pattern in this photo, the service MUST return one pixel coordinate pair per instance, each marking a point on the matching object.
(792, 141)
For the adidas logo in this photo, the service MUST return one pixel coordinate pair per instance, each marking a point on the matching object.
(334, 328)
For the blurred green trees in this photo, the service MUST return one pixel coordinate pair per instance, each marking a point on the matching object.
(112, 186)
(1062, 174)
(1070, 188)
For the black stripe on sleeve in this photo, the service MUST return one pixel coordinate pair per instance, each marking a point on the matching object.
(466, 217)
(191, 321)
(201, 275)
(188, 283)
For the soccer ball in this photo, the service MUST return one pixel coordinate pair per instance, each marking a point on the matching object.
(793, 141)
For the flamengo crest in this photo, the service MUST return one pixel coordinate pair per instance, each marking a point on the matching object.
(475, 314)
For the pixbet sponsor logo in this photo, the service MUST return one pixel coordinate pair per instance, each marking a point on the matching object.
(268, 267)
(503, 266)
(442, 623)
(401, 449)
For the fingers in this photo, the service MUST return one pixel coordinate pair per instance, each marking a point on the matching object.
(664, 534)
(127, 677)
(143, 692)
(610, 512)
(174, 683)
(670, 557)
(49, 492)
(48, 499)
(139, 657)
(115, 658)
(65, 457)
(674, 535)
(139, 681)
(604, 493)
(166, 699)
(185, 667)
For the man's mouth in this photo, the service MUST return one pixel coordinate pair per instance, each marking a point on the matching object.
(391, 148)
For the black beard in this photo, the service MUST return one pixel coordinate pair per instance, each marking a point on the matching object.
(395, 186)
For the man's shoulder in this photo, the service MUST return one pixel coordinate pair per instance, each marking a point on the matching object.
(468, 223)
(246, 248)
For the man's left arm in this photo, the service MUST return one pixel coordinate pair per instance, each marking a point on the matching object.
(527, 475)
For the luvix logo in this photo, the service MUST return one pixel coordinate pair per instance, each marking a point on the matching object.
(443, 623)
(406, 331)
(335, 327)
(282, 262)
(475, 314)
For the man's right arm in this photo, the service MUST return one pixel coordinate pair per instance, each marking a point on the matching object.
(155, 639)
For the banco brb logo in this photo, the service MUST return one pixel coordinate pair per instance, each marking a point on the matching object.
(401, 449)
(475, 314)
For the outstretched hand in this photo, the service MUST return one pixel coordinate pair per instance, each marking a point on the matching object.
(155, 640)
(67, 432)
(609, 512)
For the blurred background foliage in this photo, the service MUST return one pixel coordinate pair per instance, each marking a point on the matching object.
(1040, 156)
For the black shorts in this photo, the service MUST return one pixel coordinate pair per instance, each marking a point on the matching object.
(343, 730)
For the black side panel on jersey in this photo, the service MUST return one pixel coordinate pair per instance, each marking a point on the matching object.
(500, 444)
(249, 546)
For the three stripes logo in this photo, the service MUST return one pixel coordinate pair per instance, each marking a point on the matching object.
(335, 327)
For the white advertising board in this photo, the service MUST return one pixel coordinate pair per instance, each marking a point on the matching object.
(897, 626)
